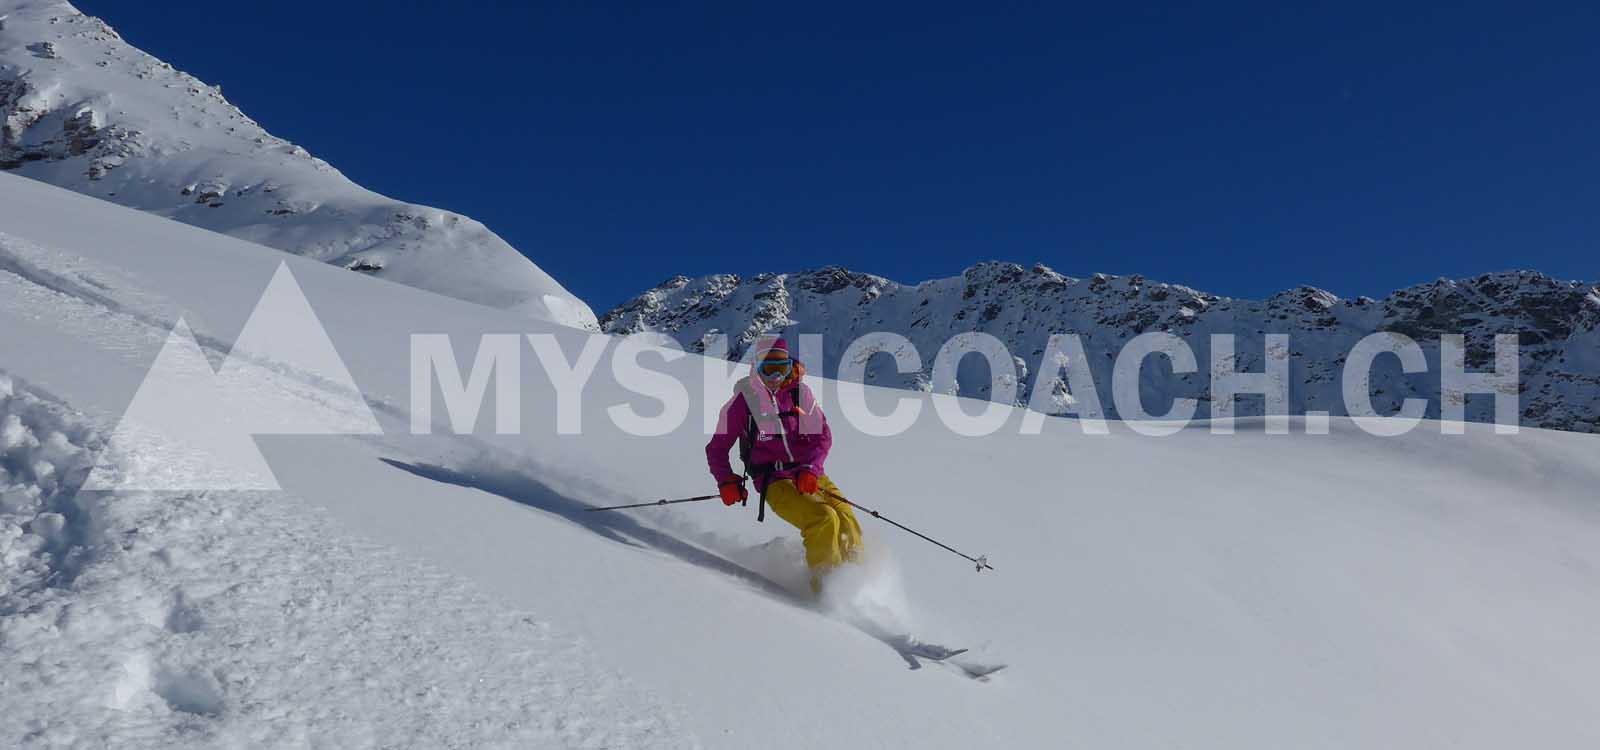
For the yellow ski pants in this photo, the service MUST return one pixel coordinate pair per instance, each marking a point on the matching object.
(827, 526)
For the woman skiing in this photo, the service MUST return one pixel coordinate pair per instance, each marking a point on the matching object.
(784, 440)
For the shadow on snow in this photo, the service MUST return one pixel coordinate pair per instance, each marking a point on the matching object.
(623, 529)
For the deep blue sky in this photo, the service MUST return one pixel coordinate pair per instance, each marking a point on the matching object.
(1241, 151)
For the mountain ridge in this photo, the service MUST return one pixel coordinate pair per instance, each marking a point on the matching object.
(81, 108)
(1557, 322)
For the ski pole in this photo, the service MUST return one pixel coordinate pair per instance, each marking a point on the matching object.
(981, 561)
(658, 502)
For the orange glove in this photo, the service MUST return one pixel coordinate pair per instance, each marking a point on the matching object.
(732, 492)
(806, 482)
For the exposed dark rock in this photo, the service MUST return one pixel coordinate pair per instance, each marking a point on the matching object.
(1555, 322)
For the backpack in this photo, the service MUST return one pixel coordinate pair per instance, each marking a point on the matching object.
(747, 442)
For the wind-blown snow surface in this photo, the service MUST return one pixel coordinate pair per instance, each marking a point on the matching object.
(238, 620)
(1194, 591)
(83, 109)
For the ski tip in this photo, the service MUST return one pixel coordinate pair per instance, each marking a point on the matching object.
(981, 673)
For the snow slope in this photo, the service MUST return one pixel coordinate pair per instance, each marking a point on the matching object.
(1200, 591)
(1558, 324)
(83, 109)
(238, 620)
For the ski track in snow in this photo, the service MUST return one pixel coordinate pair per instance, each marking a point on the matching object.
(869, 596)
(235, 619)
(1340, 592)
(92, 303)
(872, 598)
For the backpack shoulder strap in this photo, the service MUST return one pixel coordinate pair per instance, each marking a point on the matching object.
(747, 439)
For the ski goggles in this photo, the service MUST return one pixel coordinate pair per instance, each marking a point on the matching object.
(773, 369)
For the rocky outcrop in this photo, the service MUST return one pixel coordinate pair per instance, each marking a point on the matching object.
(1557, 324)
(82, 109)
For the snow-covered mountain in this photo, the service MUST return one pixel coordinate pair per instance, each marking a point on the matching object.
(83, 109)
(433, 591)
(1557, 322)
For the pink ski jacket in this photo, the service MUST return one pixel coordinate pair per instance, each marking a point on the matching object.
(791, 432)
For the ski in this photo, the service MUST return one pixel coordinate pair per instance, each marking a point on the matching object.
(931, 652)
(915, 652)
(979, 672)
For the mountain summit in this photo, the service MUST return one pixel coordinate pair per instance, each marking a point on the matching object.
(83, 109)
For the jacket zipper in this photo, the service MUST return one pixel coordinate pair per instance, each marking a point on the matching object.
(783, 434)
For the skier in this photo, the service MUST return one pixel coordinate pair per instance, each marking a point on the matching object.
(784, 440)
